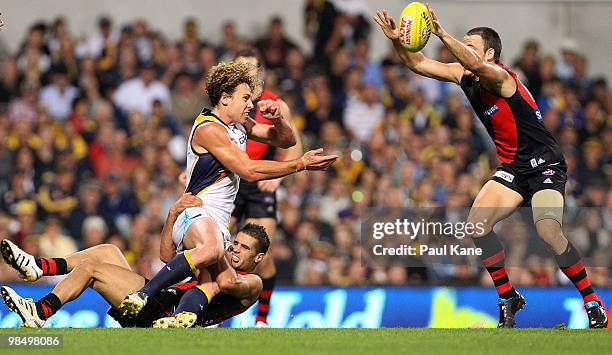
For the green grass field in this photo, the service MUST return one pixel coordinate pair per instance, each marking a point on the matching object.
(323, 341)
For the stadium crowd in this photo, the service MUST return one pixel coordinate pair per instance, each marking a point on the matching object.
(92, 139)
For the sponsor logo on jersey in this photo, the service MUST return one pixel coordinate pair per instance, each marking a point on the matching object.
(547, 181)
(504, 175)
(548, 172)
(491, 110)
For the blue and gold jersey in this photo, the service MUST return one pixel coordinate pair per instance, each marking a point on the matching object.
(207, 178)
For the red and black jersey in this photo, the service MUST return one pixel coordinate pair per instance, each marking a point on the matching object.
(257, 150)
(514, 124)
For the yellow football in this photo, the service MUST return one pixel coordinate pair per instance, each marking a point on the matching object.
(414, 26)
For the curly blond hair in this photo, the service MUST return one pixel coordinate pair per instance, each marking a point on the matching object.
(225, 77)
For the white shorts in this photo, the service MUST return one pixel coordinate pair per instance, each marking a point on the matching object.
(190, 215)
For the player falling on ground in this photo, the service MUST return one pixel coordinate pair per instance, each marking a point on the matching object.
(104, 269)
(216, 160)
(256, 201)
(533, 167)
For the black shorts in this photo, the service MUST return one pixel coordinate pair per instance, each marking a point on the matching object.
(253, 203)
(529, 181)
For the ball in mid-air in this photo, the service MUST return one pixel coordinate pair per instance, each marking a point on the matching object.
(414, 26)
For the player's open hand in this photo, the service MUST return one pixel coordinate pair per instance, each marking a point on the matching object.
(436, 27)
(186, 201)
(313, 160)
(387, 24)
(270, 109)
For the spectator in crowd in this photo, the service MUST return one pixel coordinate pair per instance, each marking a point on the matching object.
(275, 44)
(53, 243)
(104, 40)
(25, 106)
(58, 96)
(363, 113)
(94, 231)
(9, 82)
(138, 94)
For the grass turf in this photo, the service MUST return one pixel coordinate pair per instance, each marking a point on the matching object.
(323, 341)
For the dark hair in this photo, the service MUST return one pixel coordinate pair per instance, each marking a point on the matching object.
(249, 53)
(490, 39)
(277, 20)
(258, 232)
(104, 21)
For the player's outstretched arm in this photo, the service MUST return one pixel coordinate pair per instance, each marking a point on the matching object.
(417, 62)
(491, 76)
(215, 140)
(280, 134)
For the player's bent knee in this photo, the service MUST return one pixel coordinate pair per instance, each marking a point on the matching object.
(103, 252)
(87, 266)
(206, 255)
(111, 249)
(547, 204)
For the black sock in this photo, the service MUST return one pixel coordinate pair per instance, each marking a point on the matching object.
(493, 258)
(47, 306)
(194, 301)
(264, 299)
(177, 269)
(52, 266)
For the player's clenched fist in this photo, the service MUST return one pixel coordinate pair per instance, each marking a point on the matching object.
(270, 109)
(313, 160)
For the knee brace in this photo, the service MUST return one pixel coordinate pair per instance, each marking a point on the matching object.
(547, 204)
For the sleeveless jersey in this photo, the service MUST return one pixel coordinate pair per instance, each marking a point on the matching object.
(257, 150)
(207, 178)
(514, 124)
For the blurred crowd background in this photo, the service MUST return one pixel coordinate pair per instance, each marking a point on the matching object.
(92, 140)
